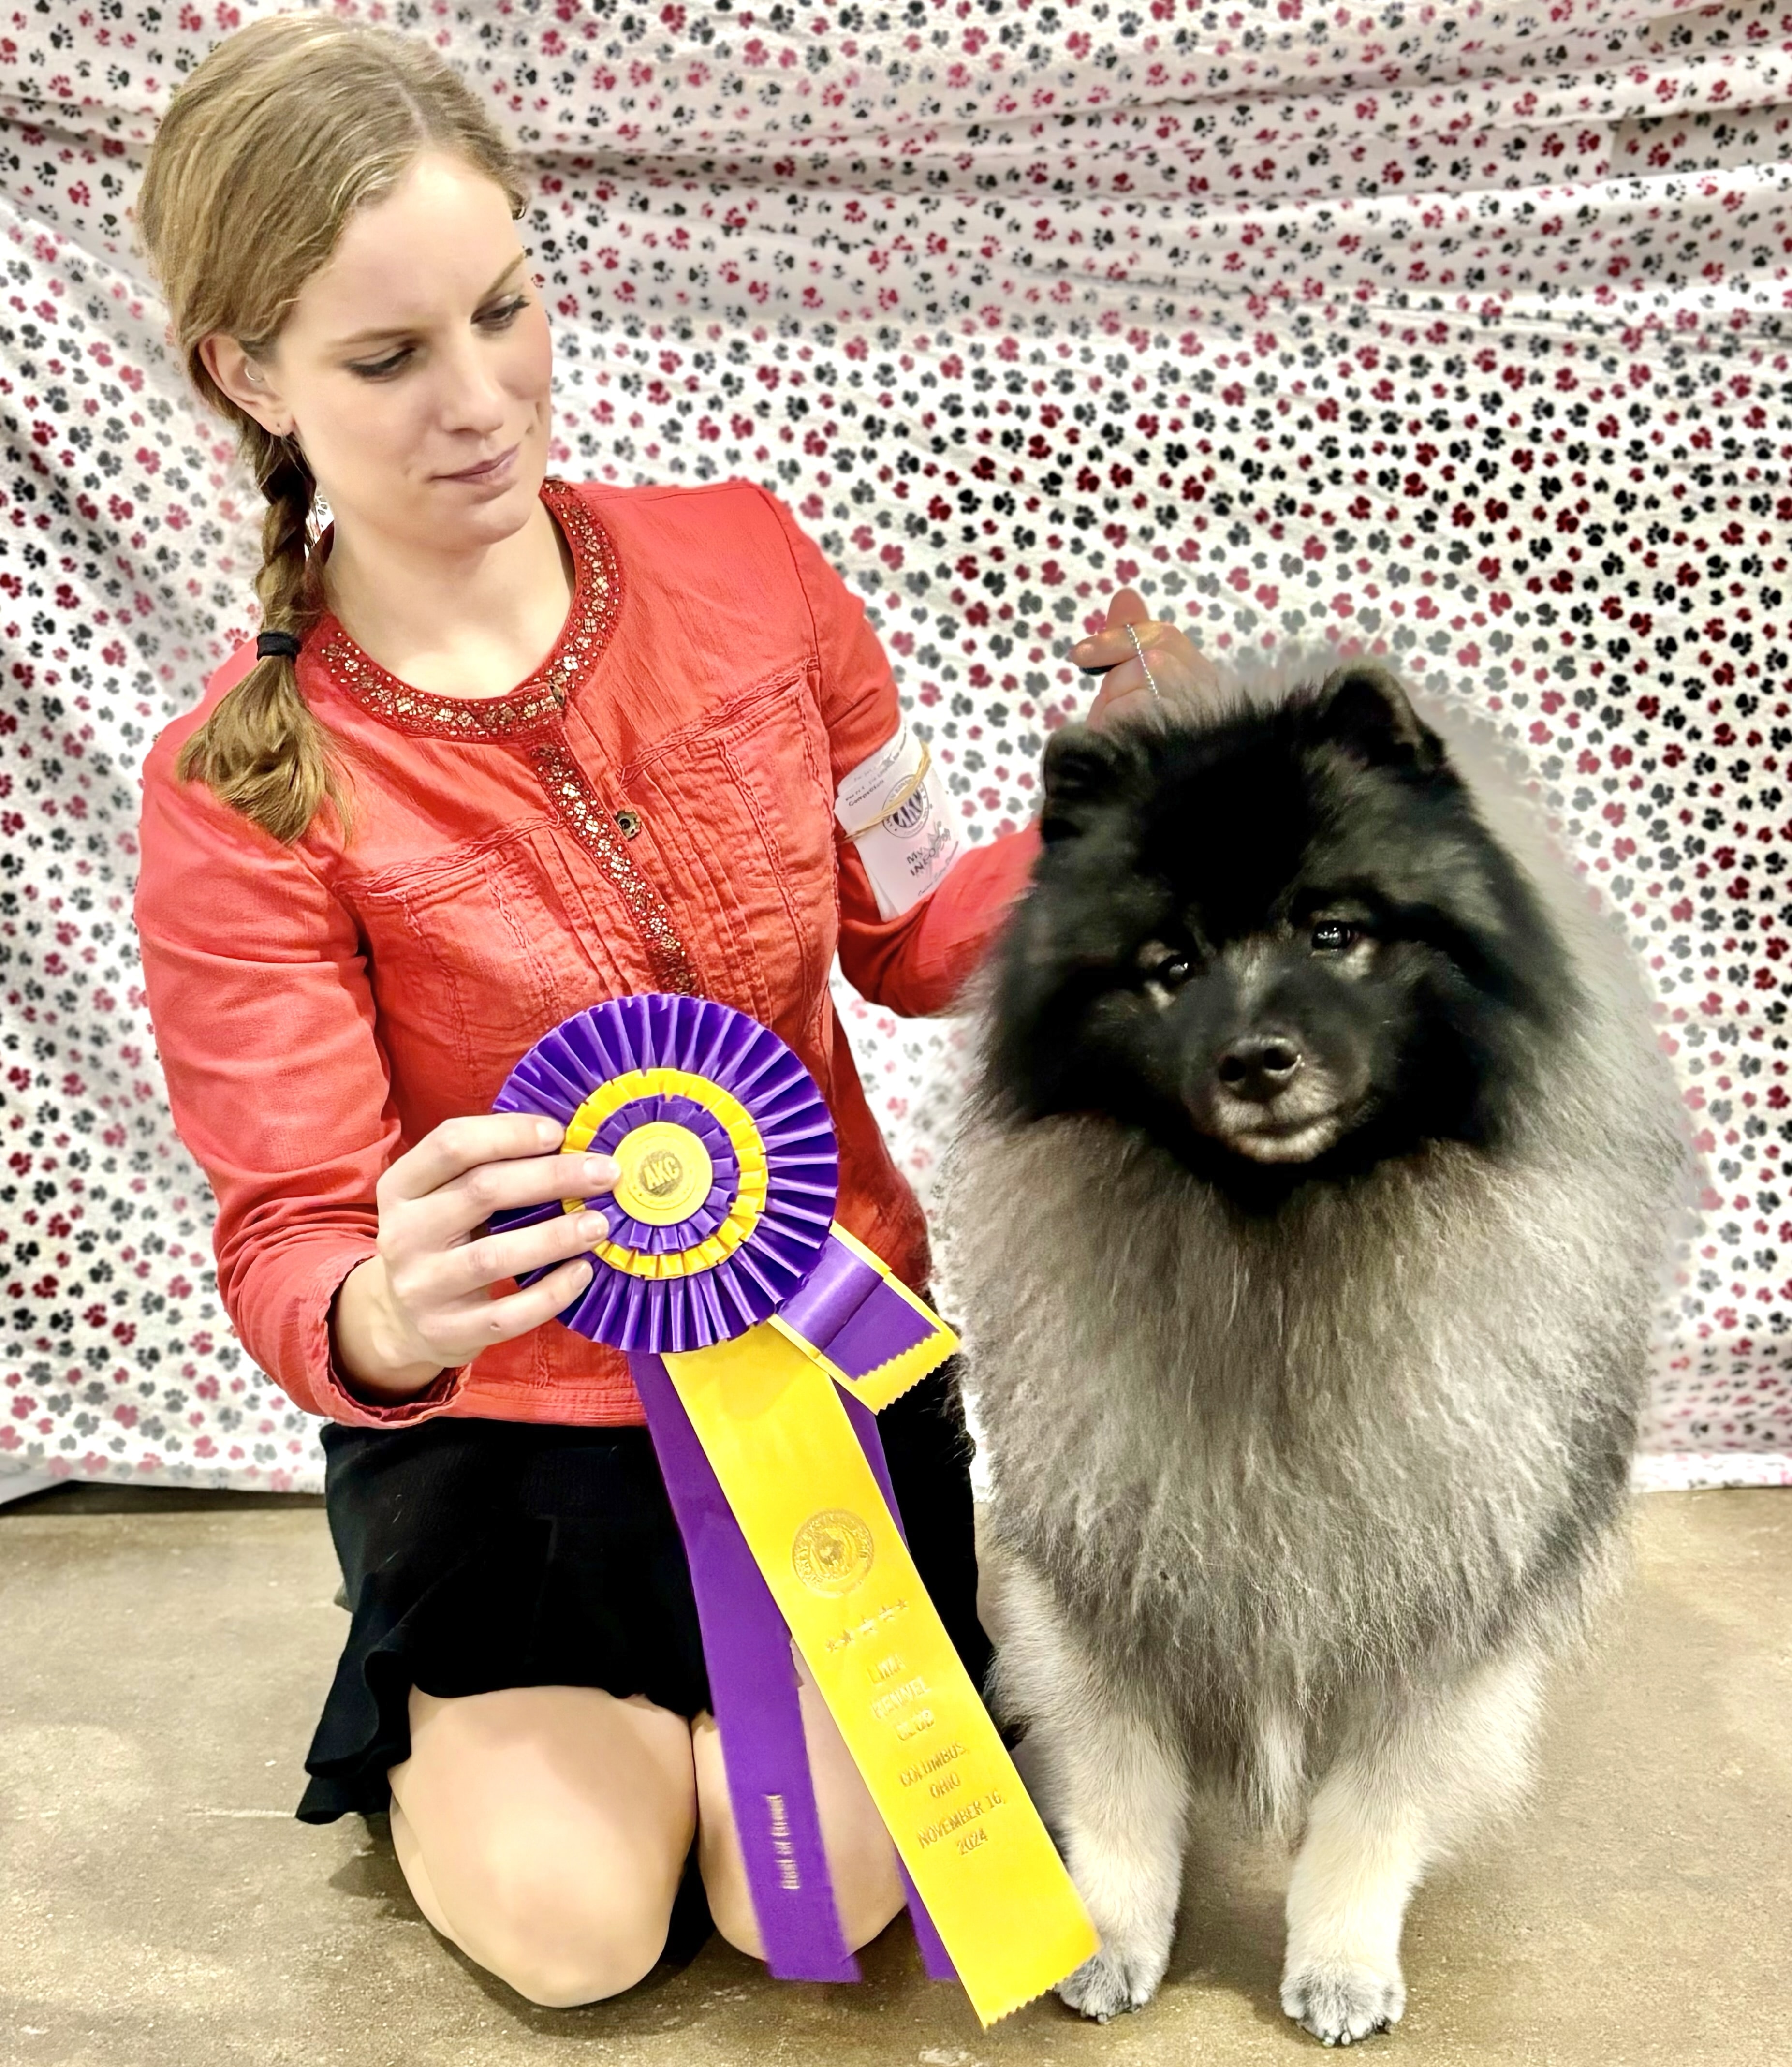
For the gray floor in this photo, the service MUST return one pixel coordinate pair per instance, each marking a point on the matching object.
(165, 1656)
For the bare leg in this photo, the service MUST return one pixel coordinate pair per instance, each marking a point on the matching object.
(1406, 1789)
(861, 1861)
(416, 1875)
(543, 1830)
(1115, 1796)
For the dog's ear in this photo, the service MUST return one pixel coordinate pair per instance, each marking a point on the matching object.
(1363, 709)
(1081, 772)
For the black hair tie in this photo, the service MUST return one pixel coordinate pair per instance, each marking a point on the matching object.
(283, 642)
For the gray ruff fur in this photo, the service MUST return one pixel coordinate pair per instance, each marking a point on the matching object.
(1271, 1498)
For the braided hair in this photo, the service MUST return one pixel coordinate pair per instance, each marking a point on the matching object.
(261, 751)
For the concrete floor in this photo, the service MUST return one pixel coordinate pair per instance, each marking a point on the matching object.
(165, 1655)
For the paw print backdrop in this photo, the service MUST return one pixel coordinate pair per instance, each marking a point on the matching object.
(1460, 331)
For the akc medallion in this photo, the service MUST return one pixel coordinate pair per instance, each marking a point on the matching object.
(833, 1551)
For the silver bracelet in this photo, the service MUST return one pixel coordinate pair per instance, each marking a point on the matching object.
(1133, 634)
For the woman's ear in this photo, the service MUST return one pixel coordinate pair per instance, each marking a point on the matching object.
(1084, 770)
(244, 381)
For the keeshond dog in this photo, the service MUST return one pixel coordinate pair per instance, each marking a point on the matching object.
(1308, 1221)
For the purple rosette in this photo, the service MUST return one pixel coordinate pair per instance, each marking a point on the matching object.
(747, 1099)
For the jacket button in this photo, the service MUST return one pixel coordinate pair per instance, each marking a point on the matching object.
(628, 823)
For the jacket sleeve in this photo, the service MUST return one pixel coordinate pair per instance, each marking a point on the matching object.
(264, 1021)
(918, 962)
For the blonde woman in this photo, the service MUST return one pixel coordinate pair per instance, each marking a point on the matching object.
(506, 745)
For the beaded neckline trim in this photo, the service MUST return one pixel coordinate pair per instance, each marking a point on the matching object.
(597, 600)
(570, 791)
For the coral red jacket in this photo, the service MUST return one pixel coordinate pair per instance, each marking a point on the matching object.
(651, 810)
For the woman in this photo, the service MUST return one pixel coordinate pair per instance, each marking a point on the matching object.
(505, 746)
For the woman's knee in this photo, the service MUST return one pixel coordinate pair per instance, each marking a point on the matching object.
(584, 1974)
(730, 1909)
(550, 1825)
(867, 1890)
(867, 1893)
(861, 1861)
(559, 1939)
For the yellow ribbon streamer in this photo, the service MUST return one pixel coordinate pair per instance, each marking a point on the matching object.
(765, 1407)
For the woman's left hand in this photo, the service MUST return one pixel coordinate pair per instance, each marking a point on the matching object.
(1180, 673)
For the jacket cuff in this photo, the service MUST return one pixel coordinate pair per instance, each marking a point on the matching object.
(961, 920)
(335, 1394)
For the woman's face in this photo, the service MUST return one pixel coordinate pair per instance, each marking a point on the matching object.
(420, 349)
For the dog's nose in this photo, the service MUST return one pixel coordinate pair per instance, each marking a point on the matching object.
(1258, 1066)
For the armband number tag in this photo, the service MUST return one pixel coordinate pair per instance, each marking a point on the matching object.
(895, 811)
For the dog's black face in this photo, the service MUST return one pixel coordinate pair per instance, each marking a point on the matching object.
(1281, 941)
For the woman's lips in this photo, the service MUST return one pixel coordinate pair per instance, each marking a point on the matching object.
(485, 471)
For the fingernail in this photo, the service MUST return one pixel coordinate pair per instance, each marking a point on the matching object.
(546, 1132)
(600, 1170)
(592, 1227)
(583, 1276)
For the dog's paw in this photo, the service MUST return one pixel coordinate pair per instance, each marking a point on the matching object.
(1102, 1988)
(1343, 2003)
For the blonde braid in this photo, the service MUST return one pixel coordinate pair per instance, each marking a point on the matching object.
(261, 751)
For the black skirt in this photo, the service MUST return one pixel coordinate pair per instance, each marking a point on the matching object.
(477, 1555)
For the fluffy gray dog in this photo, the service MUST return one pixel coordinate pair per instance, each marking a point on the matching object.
(1308, 1225)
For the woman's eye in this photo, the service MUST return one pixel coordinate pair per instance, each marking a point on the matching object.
(1334, 933)
(497, 318)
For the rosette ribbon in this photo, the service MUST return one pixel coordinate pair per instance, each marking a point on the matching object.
(763, 1339)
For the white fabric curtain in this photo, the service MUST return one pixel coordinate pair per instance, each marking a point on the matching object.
(1459, 331)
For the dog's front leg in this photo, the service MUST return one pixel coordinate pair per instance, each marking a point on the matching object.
(1412, 1781)
(1115, 1796)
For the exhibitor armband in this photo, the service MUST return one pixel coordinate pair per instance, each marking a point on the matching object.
(893, 809)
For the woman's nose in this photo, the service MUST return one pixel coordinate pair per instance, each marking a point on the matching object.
(473, 393)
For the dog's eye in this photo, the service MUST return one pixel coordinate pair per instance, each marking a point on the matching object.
(1333, 934)
(1172, 972)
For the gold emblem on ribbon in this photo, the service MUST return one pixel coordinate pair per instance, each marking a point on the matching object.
(833, 1551)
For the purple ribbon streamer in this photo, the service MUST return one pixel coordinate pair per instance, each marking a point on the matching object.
(851, 1314)
(752, 1687)
(752, 1684)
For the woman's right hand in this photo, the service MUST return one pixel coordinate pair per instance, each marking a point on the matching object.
(423, 1301)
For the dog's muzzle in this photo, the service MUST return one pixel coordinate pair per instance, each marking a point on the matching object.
(1264, 1097)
